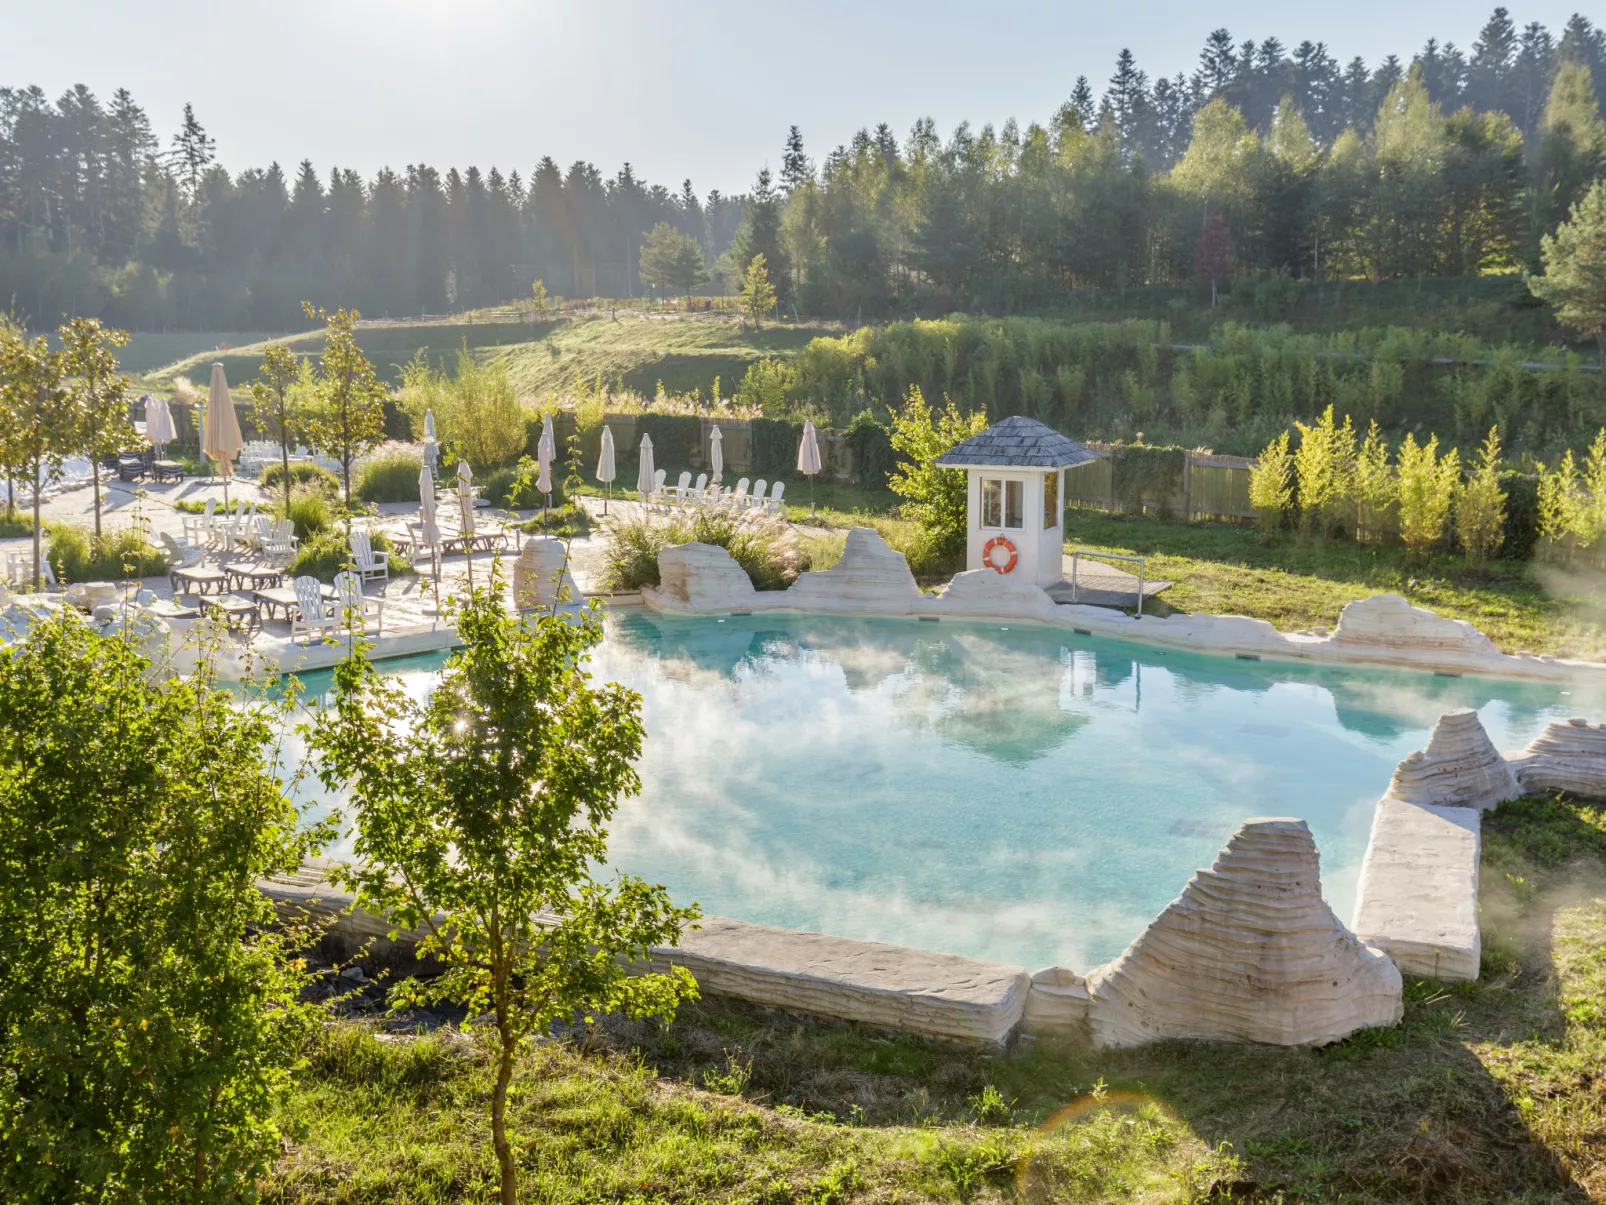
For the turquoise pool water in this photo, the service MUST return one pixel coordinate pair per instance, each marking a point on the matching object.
(1013, 793)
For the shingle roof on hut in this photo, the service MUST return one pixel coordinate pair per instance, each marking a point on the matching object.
(1018, 442)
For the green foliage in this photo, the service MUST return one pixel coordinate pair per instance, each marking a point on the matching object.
(274, 409)
(1575, 267)
(757, 294)
(14, 524)
(773, 447)
(1521, 531)
(486, 806)
(476, 410)
(346, 416)
(1428, 487)
(672, 261)
(676, 438)
(1480, 509)
(768, 384)
(936, 497)
(515, 487)
(38, 421)
(98, 393)
(392, 477)
(302, 472)
(1146, 473)
(1271, 490)
(322, 555)
(871, 445)
(79, 555)
(770, 560)
(1324, 464)
(150, 1007)
(310, 511)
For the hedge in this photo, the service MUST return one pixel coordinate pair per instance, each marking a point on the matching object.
(1143, 472)
(677, 439)
(774, 447)
(871, 445)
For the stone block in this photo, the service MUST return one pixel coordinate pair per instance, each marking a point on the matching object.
(988, 594)
(541, 576)
(1460, 767)
(1418, 893)
(870, 578)
(1568, 756)
(1249, 952)
(701, 578)
(1056, 1005)
(1389, 621)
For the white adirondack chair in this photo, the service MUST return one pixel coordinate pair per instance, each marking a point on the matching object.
(367, 563)
(355, 607)
(180, 556)
(281, 542)
(773, 503)
(737, 498)
(677, 492)
(311, 615)
(755, 500)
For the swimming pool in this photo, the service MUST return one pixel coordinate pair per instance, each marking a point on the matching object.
(1002, 791)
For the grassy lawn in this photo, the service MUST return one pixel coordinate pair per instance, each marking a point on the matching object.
(1493, 1091)
(1303, 583)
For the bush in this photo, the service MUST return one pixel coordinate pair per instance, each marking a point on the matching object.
(503, 488)
(392, 477)
(14, 523)
(871, 444)
(775, 444)
(769, 556)
(327, 553)
(302, 472)
(309, 510)
(1522, 515)
(677, 439)
(196, 506)
(1144, 473)
(78, 555)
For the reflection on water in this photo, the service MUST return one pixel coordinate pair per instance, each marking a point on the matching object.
(1013, 793)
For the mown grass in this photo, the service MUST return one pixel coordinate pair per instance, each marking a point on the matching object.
(1300, 583)
(1488, 1092)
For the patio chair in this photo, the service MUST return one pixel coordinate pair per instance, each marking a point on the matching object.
(355, 607)
(311, 613)
(737, 498)
(367, 564)
(180, 556)
(698, 490)
(261, 529)
(19, 569)
(658, 492)
(755, 500)
(677, 492)
(773, 503)
(281, 542)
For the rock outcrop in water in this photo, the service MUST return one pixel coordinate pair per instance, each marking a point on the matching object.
(870, 577)
(1249, 952)
(1568, 756)
(541, 576)
(1460, 768)
(700, 578)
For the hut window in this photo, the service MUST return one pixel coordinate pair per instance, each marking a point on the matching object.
(992, 502)
(1014, 504)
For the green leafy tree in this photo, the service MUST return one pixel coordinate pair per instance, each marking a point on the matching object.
(937, 496)
(673, 260)
(1480, 510)
(38, 421)
(477, 410)
(98, 393)
(1560, 503)
(1271, 491)
(1377, 490)
(149, 1004)
(348, 414)
(757, 297)
(1575, 267)
(1325, 465)
(1428, 487)
(480, 814)
(538, 298)
(273, 408)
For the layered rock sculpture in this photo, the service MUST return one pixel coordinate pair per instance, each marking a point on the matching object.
(1389, 622)
(1056, 1006)
(1568, 756)
(541, 577)
(1459, 768)
(988, 594)
(1249, 952)
(700, 578)
(870, 577)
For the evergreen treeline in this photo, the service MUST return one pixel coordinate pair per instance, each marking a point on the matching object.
(1265, 160)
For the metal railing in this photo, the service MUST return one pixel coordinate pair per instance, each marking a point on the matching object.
(1107, 556)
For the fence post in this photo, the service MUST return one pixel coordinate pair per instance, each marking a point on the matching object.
(1110, 505)
(1187, 486)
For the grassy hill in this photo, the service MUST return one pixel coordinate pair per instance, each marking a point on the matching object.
(632, 351)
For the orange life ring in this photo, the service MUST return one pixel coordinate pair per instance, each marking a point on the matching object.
(987, 554)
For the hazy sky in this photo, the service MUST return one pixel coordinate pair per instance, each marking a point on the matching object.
(700, 89)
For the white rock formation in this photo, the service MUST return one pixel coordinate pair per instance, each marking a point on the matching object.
(1568, 757)
(700, 578)
(988, 594)
(1459, 768)
(1249, 952)
(870, 577)
(1418, 894)
(540, 575)
(22, 611)
(1388, 621)
(1056, 1006)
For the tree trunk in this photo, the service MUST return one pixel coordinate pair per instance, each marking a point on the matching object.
(94, 466)
(504, 1076)
(38, 584)
(284, 456)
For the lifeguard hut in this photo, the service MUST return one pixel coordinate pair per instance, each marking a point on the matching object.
(1016, 486)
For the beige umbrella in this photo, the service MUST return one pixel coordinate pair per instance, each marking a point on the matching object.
(222, 442)
(605, 466)
(808, 457)
(465, 507)
(544, 453)
(716, 452)
(644, 474)
(429, 527)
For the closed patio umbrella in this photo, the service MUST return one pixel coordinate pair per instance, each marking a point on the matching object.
(222, 443)
(432, 449)
(644, 474)
(605, 468)
(429, 527)
(808, 457)
(465, 507)
(159, 428)
(544, 452)
(716, 452)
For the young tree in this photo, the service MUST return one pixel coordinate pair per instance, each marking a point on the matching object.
(1428, 487)
(937, 496)
(1325, 465)
(1377, 490)
(757, 297)
(1575, 268)
(348, 416)
(1561, 506)
(1270, 490)
(480, 814)
(38, 423)
(1480, 512)
(97, 392)
(272, 395)
(150, 1006)
(673, 260)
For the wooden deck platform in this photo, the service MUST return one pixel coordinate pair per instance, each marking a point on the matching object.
(1102, 585)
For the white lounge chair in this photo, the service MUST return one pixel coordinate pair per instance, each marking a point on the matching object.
(261, 529)
(198, 528)
(365, 561)
(677, 492)
(281, 542)
(659, 494)
(699, 491)
(311, 613)
(355, 607)
(737, 498)
(755, 500)
(180, 556)
(773, 503)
